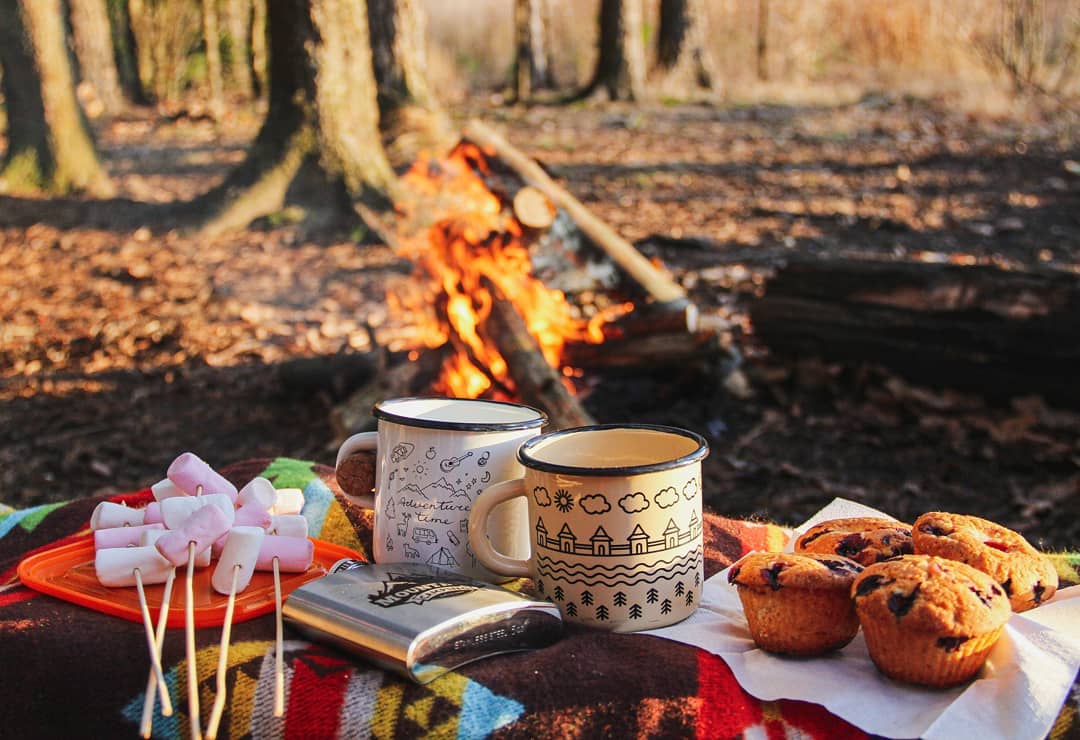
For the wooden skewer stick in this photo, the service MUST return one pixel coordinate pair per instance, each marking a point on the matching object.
(151, 642)
(279, 661)
(223, 660)
(189, 642)
(151, 683)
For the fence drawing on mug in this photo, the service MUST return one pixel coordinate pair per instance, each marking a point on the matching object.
(601, 544)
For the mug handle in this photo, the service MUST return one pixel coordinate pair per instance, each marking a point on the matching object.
(356, 443)
(495, 561)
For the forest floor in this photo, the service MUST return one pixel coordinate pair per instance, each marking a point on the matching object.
(124, 341)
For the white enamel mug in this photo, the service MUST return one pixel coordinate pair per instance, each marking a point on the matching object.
(615, 522)
(433, 457)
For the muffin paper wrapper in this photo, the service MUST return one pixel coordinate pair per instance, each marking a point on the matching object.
(1017, 694)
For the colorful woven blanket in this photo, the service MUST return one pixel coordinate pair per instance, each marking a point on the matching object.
(71, 671)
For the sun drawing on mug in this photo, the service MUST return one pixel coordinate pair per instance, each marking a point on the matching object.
(563, 500)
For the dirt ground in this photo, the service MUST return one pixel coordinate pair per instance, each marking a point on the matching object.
(124, 341)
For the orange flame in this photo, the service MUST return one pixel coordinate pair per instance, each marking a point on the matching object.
(471, 239)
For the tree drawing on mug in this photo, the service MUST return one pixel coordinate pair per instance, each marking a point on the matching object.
(635, 611)
(564, 502)
(390, 510)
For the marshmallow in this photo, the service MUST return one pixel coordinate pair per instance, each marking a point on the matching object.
(150, 537)
(289, 525)
(175, 511)
(241, 549)
(202, 527)
(288, 501)
(294, 555)
(152, 514)
(249, 515)
(122, 536)
(108, 514)
(116, 566)
(165, 488)
(191, 474)
(258, 489)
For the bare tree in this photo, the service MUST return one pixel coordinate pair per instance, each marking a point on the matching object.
(620, 66)
(259, 65)
(322, 122)
(238, 29)
(212, 42)
(762, 51)
(683, 60)
(410, 115)
(532, 55)
(49, 142)
(92, 39)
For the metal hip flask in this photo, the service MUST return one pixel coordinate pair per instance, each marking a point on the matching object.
(418, 620)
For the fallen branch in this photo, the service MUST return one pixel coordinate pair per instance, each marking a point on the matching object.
(657, 284)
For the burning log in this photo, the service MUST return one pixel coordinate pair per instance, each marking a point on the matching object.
(657, 284)
(998, 332)
(537, 383)
(645, 353)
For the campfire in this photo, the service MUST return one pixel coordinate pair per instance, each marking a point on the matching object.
(474, 255)
(481, 321)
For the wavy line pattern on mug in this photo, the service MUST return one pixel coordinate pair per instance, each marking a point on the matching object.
(618, 575)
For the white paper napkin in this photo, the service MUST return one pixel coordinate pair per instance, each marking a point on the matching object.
(1016, 696)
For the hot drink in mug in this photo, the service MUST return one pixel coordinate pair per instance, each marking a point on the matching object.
(615, 523)
(433, 457)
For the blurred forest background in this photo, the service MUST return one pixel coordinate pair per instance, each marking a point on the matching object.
(191, 256)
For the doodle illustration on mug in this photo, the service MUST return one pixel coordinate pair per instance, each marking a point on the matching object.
(652, 566)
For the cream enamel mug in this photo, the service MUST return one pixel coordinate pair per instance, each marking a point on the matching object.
(615, 523)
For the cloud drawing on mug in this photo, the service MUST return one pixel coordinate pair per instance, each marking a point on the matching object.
(594, 504)
(690, 489)
(632, 503)
(543, 498)
(667, 497)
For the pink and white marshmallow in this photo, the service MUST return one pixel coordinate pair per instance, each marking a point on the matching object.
(152, 514)
(294, 555)
(241, 551)
(116, 566)
(202, 559)
(288, 501)
(248, 515)
(289, 525)
(122, 536)
(258, 489)
(194, 476)
(202, 527)
(175, 511)
(108, 514)
(165, 488)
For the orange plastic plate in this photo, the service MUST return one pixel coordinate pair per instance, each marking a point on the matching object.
(67, 572)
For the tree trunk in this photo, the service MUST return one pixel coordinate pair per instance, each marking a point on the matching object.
(49, 142)
(259, 67)
(94, 50)
(410, 116)
(620, 66)
(532, 56)
(238, 27)
(141, 31)
(763, 40)
(322, 112)
(126, 53)
(683, 59)
(212, 41)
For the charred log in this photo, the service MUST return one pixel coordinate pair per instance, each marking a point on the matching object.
(1002, 333)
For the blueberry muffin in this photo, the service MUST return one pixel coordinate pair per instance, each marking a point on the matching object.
(866, 540)
(929, 620)
(797, 604)
(1027, 575)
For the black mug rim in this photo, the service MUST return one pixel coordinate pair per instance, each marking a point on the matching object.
(379, 411)
(532, 463)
